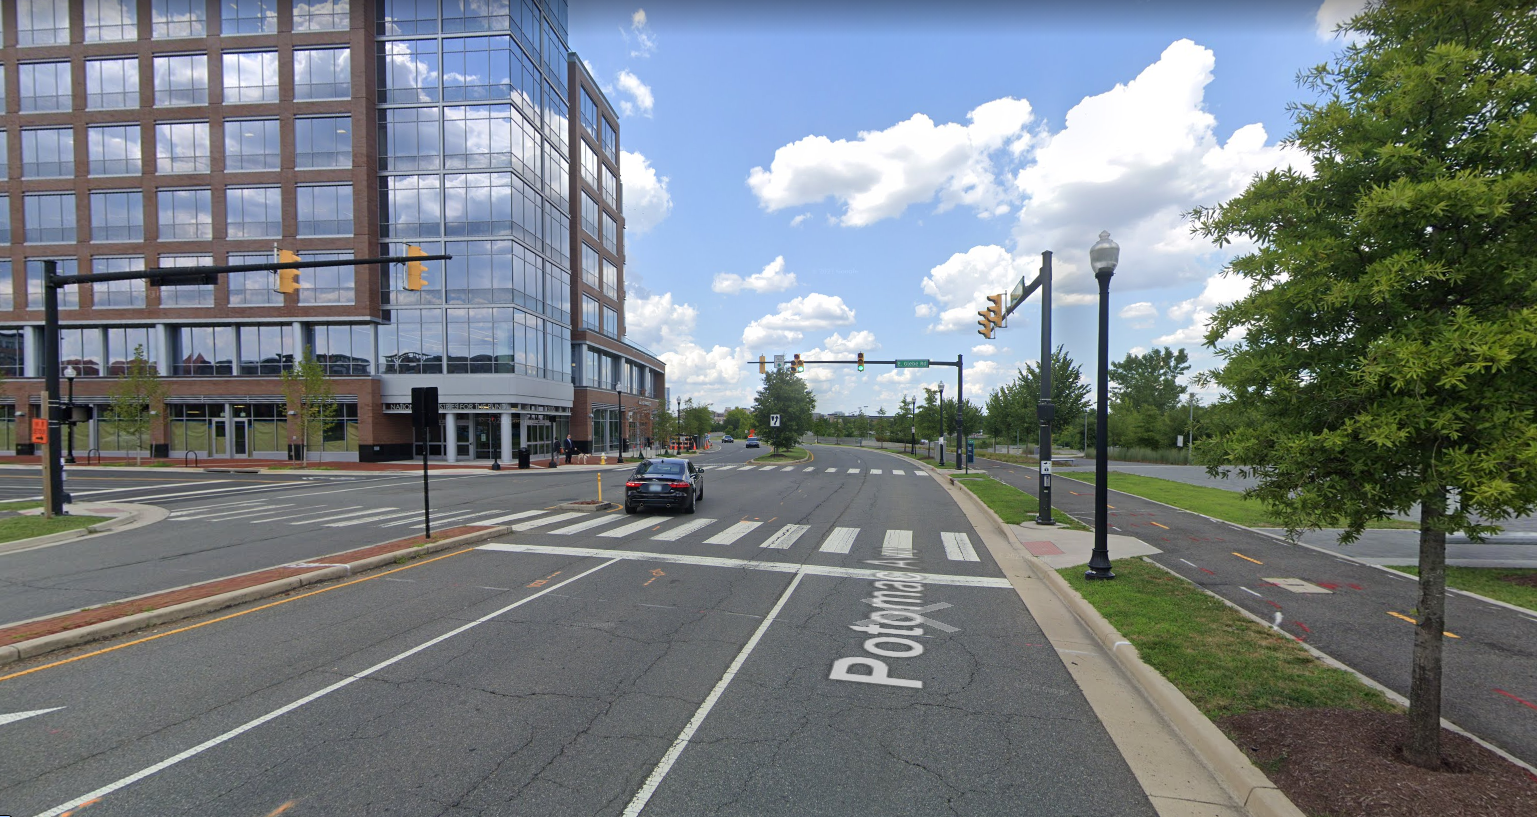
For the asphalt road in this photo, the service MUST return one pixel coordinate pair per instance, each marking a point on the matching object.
(1359, 614)
(603, 664)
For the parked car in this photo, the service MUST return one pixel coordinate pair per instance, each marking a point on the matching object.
(752, 442)
(666, 482)
(727, 439)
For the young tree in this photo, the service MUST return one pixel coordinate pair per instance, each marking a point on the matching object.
(784, 394)
(1011, 408)
(1388, 348)
(738, 420)
(1149, 380)
(311, 394)
(135, 397)
(697, 420)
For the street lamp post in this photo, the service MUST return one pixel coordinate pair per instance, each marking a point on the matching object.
(619, 421)
(1103, 257)
(941, 425)
(69, 377)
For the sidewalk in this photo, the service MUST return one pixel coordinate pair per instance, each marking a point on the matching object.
(288, 466)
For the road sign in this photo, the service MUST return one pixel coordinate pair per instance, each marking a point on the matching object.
(39, 431)
(774, 420)
(912, 364)
(1046, 467)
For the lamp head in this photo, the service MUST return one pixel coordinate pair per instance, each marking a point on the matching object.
(69, 372)
(1105, 254)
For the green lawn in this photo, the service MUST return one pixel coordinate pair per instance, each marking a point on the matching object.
(789, 455)
(1225, 663)
(1011, 504)
(1497, 583)
(1214, 502)
(13, 528)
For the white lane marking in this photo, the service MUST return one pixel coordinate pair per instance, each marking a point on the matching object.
(633, 527)
(732, 533)
(788, 468)
(293, 513)
(748, 468)
(235, 513)
(12, 717)
(722, 467)
(853, 470)
(830, 471)
(808, 469)
(210, 508)
(602, 519)
(642, 797)
(683, 530)
(459, 519)
(899, 472)
(949, 580)
(58, 810)
(898, 544)
(182, 484)
(509, 517)
(1188, 562)
(958, 547)
(330, 515)
(447, 517)
(785, 537)
(1245, 589)
(920, 473)
(874, 471)
(839, 541)
(379, 518)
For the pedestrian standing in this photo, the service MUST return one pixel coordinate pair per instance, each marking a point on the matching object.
(569, 447)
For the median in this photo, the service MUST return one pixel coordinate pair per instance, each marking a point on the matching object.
(1217, 503)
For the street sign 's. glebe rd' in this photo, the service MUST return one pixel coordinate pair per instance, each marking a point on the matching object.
(912, 364)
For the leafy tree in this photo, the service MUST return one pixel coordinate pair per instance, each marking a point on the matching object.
(783, 393)
(1149, 380)
(135, 397)
(1389, 345)
(738, 421)
(697, 420)
(311, 394)
(664, 427)
(928, 418)
(1011, 407)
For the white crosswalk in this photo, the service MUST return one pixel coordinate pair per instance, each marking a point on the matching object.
(732, 533)
(839, 540)
(785, 537)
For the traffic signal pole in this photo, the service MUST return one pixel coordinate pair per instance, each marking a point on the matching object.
(1045, 410)
(53, 466)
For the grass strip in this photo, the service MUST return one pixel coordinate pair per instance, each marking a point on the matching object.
(20, 505)
(26, 527)
(783, 456)
(1511, 585)
(1223, 662)
(1012, 505)
(1218, 503)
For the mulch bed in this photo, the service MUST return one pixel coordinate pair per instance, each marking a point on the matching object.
(1349, 763)
(1528, 580)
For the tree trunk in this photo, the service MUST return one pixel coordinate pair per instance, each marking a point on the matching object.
(1424, 747)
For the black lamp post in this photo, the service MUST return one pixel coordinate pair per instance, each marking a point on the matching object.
(941, 425)
(619, 420)
(1103, 257)
(69, 377)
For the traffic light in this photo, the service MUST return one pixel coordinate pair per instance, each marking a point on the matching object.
(288, 279)
(992, 316)
(799, 365)
(861, 361)
(762, 364)
(415, 269)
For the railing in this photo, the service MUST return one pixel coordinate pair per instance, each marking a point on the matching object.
(96, 452)
(193, 455)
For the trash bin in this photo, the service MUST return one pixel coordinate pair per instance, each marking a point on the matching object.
(523, 458)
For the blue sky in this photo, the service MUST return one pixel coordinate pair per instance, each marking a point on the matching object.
(843, 177)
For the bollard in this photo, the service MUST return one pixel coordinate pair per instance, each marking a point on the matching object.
(600, 487)
(603, 459)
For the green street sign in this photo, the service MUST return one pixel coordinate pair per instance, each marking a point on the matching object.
(912, 364)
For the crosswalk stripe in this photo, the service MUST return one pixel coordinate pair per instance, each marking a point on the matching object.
(203, 508)
(809, 469)
(839, 541)
(509, 517)
(458, 516)
(270, 513)
(363, 512)
(899, 472)
(312, 514)
(747, 468)
(958, 547)
(875, 470)
(788, 468)
(920, 473)
(560, 517)
(830, 470)
(379, 518)
(732, 533)
(853, 470)
(683, 530)
(633, 527)
(185, 494)
(245, 507)
(785, 537)
(602, 519)
(722, 467)
(898, 544)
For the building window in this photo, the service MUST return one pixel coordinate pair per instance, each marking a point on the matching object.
(114, 150)
(325, 210)
(321, 15)
(526, 85)
(589, 165)
(591, 317)
(322, 73)
(47, 153)
(49, 218)
(42, 22)
(266, 350)
(479, 136)
(117, 215)
(45, 87)
(477, 204)
(408, 17)
(81, 348)
(125, 343)
(252, 144)
(117, 294)
(610, 234)
(556, 118)
(252, 288)
(343, 349)
(327, 286)
(408, 71)
(181, 80)
(249, 17)
(178, 18)
(392, 278)
(408, 139)
(205, 351)
(610, 322)
(2, 87)
(253, 212)
(610, 279)
(610, 141)
(250, 76)
(412, 341)
(69, 296)
(111, 20)
(338, 435)
(591, 271)
(413, 207)
(182, 147)
(186, 215)
(13, 356)
(468, 15)
(5, 167)
(610, 188)
(190, 295)
(323, 142)
(590, 214)
(111, 84)
(5, 235)
(477, 68)
(589, 114)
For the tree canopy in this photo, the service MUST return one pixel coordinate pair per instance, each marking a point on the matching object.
(1149, 380)
(784, 393)
(1011, 407)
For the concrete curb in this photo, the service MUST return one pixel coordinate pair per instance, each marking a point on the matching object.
(108, 526)
(11, 653)
(809, 457)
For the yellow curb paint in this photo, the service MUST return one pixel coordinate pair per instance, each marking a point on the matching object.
(1241, 556)
(1151, 522)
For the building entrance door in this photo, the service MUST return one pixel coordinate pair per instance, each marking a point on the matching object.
(240, 438)
(488, 436)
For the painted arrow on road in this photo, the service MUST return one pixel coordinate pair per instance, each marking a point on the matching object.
(21, 716)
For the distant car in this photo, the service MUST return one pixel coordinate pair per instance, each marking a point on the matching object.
(752, 442)
(667, 482)
(727, 439)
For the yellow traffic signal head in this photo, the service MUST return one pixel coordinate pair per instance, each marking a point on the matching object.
(415, 269)
(861, 361)
(762, 364)
(288, 279)
(799, 366)
(992, 316)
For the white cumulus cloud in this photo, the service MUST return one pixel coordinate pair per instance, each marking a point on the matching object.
(796, 317)
(640, 31)
(800, 219)
(773, 278)
(883, 172)
(641, 99)
(962, 283)
(856, 342)
(1220, 290)
(646, 201)
(1333, 12)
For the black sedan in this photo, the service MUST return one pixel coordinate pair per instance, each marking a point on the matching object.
(664, 483)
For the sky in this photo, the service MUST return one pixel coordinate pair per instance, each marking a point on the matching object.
(829, 178)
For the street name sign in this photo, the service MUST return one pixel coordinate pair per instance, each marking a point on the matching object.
(912, 364)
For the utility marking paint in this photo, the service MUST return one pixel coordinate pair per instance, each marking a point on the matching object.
(785, 537)
(1305, 628)
(898, 544)
(839, 540)
(731, 534)
(683, 530)
(1188, 562)
(1208, 571)
(1514, 698)
(655, 574)
(1246, 558)
(1250, 592)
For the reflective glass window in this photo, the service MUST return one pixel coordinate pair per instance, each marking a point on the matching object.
(477, 68)
(526, 84)
(325, 210)
(182, 147)
(322, 73)
(610, 234)
(610, 141)
(69, 296)
(2, 87)
(610, 187)
(266, 350)
(408, 71)
(205, 351)
(47, 153)
(392, 279)
(413, 207)
(411, 342)
(408, 139)
(527, 23)
(321, 15)
(128, 343)
(555, 119)
(477, 204)
(249, 17)
(252, 288)
(250, 76)
(408, 17)
(557, 236)
(592, 273)
(117, 215)
(478, 136)
(590, 215)
(178, 18)
(5, 226)
(5, 164)
(181, 79)
(591, 316)
(111, 84)
(49, 218)
(557, 292)
(186, 296)
(80, 349)
(476, 15)
(253, 212)
(252, 144)
(323, 142)
(343, 349)
(7, 293)
(557, 173)
(589, 114)
(610, 279)
(589, 165)
(185, 215)
(45, 86)
(114, 150)
(13, 347)
(42, 22)
(481, 272)
(327, 285)
(111, 20)
(117, 294)
(610, 322)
